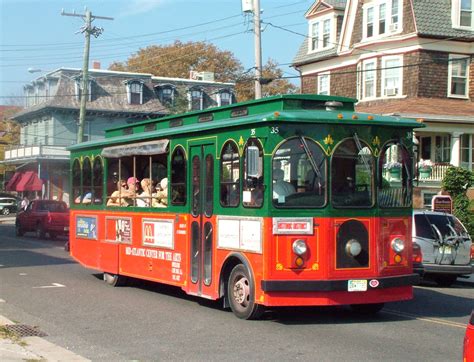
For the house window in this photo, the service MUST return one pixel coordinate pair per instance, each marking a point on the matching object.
(224, 98)
(467, 151)
(166, 95)
(359, 81)
(321, 35)
(370, 23)
(381, 17)
(326, 32)
(78, 89)
(323, 84)
(135, 92)
(195, 100)
(369, 79)
(443, 148)
(392, 76)
(466, 13)
(458, 76)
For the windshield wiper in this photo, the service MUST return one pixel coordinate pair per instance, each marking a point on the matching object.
(359, 147)
(312, 162)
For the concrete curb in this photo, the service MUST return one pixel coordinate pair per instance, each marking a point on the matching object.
(33, 348)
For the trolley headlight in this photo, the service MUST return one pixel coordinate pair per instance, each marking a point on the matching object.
(353, 248)
(398, 245)
(299, 247)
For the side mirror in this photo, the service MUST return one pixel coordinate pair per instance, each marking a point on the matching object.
(253, 156)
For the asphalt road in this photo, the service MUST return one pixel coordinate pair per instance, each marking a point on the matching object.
(40, 285)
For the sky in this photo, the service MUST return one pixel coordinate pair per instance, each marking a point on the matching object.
(34, 35)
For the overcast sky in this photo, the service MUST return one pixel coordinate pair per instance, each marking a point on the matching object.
(33, 34)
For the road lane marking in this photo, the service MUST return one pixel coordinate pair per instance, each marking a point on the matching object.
(2, 300)
(22, 274)
(425, 319)
(54, 285)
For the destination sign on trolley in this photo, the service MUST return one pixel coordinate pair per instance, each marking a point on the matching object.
(289, 226)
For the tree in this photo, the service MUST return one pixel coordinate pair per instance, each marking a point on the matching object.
(177, 59)
(272, 84)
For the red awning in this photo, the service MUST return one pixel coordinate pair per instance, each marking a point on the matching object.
(29, 182)
(11, 185)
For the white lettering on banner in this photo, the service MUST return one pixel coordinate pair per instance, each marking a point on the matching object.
(174, 258)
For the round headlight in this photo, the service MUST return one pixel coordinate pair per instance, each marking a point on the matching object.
(397, 245)
(299, 247)
(353, 247)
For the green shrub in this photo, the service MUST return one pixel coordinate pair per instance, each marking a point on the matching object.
(456, 181)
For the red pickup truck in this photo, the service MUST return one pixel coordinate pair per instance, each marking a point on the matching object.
(43, 216)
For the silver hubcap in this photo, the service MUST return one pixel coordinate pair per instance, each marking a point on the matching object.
(242, 291)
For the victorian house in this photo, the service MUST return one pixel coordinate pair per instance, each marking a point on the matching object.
(49, 121)
(411, 58)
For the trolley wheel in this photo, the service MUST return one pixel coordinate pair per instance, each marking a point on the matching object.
(40, 233)
(367, 309)
(241, 294)
(445, 280)
(114, 280)
(18, 230)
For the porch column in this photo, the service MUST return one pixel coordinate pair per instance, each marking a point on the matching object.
(455, 148)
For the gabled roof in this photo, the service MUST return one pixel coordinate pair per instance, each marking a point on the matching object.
(322, 5)
(433, 18)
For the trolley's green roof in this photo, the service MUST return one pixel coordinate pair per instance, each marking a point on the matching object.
(298, 108)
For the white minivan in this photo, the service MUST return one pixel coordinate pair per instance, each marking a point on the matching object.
(445, 245)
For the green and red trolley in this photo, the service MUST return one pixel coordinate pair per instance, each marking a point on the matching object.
(293, 200)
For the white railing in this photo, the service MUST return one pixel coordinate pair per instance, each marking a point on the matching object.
(19, 152)
(438, 171)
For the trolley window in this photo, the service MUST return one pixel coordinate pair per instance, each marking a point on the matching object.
(230, 175)
(352, 169)
(253, 174)
(299, 174)
(394, 176)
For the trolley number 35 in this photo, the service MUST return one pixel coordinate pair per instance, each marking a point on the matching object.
(274, 130)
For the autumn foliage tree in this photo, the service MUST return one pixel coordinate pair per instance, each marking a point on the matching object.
(177, 59)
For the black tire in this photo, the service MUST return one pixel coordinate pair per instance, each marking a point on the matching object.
(18, 230)
(114, 280)
(241, 294)
(40, 233)
(6, 211)
(367, 309)
(445, 280)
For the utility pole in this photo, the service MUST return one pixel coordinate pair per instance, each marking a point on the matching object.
(87, 29)
(258, 48)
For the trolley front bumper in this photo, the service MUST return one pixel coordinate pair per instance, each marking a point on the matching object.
(337, 285)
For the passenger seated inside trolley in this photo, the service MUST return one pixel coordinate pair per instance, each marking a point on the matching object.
(281, 188)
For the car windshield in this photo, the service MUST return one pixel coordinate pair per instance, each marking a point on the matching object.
(445, 223)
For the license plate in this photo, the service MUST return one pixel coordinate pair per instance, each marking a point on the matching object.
(357, 285)
(66, 228)
(446, 250)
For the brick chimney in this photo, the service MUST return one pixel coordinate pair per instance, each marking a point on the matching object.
(95, 64)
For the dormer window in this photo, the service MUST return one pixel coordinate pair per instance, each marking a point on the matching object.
(78, 89)
(166, 94)
(381, 17)
(135, 92)
(195, 99)
(224, 98)
(463, 14)
(321, 34)
(466, 13)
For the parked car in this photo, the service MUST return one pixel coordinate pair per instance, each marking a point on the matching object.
(468, 351)
(445, 246)
(43, 216)
(8, 205)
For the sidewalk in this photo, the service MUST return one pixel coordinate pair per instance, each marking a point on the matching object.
(32, 348)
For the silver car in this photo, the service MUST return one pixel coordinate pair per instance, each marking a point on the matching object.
(445, 245)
